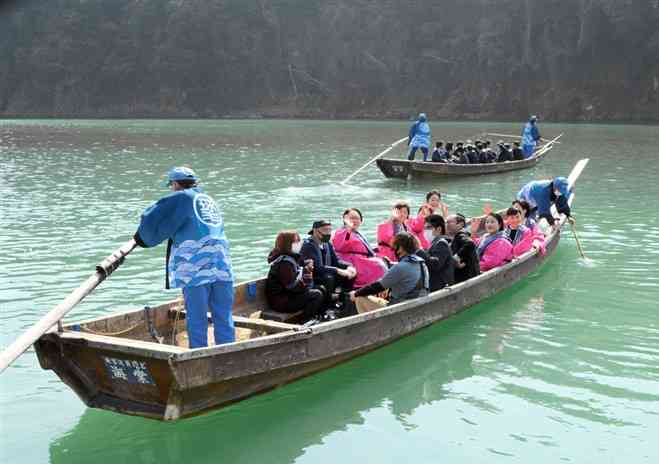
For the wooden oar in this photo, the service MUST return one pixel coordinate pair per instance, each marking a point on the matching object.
(103, 270)
(391, 147)
(576, 238)
(507, 136)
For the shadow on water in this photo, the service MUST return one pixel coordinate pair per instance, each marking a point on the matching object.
(419, 370)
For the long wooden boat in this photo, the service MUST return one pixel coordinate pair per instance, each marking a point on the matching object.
(404, 169)
(120, 362)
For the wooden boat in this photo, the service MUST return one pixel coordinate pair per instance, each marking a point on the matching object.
(404, 169)
(121, 363)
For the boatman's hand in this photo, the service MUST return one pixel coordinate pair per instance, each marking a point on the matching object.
(571, 220)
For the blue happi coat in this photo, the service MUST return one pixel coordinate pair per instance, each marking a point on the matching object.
(530, 136)
(193, 223)
(419, 135)
(538, 194)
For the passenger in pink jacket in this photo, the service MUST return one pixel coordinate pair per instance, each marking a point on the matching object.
(351, 246)
(415, 226)
(522, 238)
(494, 248)
(523, 207)
(386, 231)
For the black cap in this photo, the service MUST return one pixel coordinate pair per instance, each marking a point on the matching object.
(318, 225)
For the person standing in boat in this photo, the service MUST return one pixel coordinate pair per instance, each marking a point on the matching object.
(530, 136)
(463, 249)
(419, 137)
(542, 194)
(198, 259)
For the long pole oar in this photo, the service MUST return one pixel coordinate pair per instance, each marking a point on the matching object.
(576, 238)
(509, 136)
(391, 147)
(103, 270)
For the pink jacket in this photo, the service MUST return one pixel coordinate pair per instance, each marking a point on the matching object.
(384, 234)
(496, 254)
(532, 237)
(350, 248)
(415, 227)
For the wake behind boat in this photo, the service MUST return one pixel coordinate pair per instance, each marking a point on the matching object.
(132, 363)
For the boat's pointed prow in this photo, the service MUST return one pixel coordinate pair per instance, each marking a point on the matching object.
(576, 172)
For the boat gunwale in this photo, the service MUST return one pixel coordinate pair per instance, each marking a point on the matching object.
(178, 354)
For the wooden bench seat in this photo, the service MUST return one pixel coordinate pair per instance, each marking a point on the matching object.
(289, 318)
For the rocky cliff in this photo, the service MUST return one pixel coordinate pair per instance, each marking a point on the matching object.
(562, 59)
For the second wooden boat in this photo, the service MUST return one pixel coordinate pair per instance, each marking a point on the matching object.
(404, 169)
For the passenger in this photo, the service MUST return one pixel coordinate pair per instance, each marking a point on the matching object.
(525, 210)
(518, 154)
(289, 285)
(198, 260)
(504, 153)
(407, 279)
(530, 136)
(437, 206)
(419, 137)
(463, 249)
(472, 154)
(329, 272)
(438, 257)
(494, 248)
(386, 231)
(542, 194)
(483, 154)
(449, 152)
(439, 154)
(352, 247)
(522, 238)
(416, 225)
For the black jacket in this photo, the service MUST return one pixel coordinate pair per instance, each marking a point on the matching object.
(439, 260)
(465, 249)
(325, 260)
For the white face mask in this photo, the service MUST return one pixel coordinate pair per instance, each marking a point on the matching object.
(427, 233)
(296, 247)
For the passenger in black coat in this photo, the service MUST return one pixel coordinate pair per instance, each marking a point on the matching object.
(463, 249)
(438, 257)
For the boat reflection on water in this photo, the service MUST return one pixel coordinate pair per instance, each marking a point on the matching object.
(419, 370)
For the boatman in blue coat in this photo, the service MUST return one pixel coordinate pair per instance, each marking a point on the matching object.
(542, 194)
(530, 136)
(419, 137)
(198, 259)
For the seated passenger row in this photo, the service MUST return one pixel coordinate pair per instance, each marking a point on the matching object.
(332, 272)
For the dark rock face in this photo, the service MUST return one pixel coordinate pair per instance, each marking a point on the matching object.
(562, 59)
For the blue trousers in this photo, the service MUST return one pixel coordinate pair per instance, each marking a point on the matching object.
(413, 150)
(528, 150)
(218, 297)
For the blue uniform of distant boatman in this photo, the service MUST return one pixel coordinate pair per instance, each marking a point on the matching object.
(530, 136)
(198, 259)
(419, 137)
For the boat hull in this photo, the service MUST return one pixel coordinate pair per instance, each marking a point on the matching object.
(404, 169)
(149, 380)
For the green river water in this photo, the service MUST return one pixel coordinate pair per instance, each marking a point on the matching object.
(562, 367)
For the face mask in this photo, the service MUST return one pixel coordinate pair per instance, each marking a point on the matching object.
(557, 193)
(296, 247)
(427, 233)
(325, 237)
